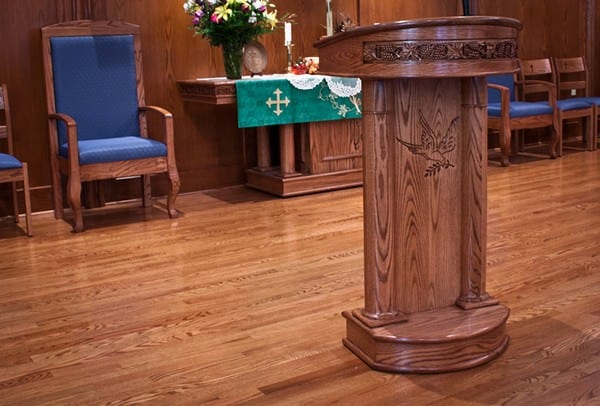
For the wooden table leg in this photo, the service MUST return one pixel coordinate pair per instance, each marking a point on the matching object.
(286, 151)
(263, 148)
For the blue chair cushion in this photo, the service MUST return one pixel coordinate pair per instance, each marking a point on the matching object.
(116, 149)
(95, 83)
(9, 162)
(572, 104)
(521, 109)
(591, 100)
(506, 80)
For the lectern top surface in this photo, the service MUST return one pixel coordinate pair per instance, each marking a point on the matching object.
(453, 21)
(423, 48)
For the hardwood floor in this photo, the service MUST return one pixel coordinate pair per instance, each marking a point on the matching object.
(240, 301)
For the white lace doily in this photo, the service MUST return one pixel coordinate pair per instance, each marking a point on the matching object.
(342, 87)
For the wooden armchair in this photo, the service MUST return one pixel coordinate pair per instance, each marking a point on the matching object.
(572, 76)
(11, 169)
(507, 113)
(97, 113)
(567, 108)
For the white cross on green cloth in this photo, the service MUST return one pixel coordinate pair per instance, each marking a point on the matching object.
(288, 99)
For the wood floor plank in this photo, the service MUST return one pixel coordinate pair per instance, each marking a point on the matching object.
(239, 300)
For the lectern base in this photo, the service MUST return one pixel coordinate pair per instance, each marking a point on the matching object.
(441, 340)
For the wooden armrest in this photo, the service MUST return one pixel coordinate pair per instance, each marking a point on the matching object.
(68, 120)
(541, 86)
(157, 109)
(72, 145)
(168, 130)
(504, 98)
(498, 87)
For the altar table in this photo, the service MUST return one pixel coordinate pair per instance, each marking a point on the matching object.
(324, 110)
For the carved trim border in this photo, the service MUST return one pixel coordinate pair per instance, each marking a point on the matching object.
(192, 89)
(410, 51)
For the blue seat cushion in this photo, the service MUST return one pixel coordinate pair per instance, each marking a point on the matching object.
(591, 100)
(116, 149)
(573, 104)
(521, 109)
(9, 162)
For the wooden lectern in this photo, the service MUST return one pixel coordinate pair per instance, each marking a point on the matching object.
(425, 200)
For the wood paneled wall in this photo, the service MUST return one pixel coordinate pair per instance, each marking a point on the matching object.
(211, 151)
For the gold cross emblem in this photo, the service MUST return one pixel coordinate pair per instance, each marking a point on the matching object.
(278, 102)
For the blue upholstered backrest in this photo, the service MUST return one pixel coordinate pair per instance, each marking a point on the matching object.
(507, 80)
(95, 83)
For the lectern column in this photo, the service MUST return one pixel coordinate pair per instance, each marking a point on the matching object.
(425, 156)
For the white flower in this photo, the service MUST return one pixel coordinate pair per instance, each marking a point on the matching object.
(252, 19)
(188, 6)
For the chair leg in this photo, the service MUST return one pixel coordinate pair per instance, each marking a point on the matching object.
(74, 195)
(596, 127)
(556, 138)
(59, 211)
(15, 201)
(146, 191)
(175, 184)
(27, 198)
(589, 133)
(505, 135)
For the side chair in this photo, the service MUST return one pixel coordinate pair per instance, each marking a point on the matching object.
(572, 76)
(567, 108)
(507, 113)
(13, 170)
(97, 112)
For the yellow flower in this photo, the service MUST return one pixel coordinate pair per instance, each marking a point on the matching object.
(271, 19)
(222, 12)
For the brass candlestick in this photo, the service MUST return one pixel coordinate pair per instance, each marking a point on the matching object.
(289, 46)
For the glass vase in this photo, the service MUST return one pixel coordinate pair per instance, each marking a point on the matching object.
(232, 58)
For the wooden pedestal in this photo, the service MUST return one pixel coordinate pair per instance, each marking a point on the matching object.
(441, 340)
(425, 201)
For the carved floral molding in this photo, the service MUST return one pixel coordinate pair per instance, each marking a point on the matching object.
(404, 51)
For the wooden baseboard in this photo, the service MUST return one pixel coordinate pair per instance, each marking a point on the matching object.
(272, 182)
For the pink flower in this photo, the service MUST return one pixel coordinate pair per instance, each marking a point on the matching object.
(197, 15)
(215, 18)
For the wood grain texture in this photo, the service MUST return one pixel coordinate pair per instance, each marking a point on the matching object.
(331, 146)
(209, 147)
(240, 300)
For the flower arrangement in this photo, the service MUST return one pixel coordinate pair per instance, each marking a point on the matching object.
(224, 21)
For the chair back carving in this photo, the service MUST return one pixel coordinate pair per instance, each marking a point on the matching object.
(571, 74)
(532, 73)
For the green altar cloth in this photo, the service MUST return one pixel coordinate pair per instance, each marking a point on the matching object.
(288, 99)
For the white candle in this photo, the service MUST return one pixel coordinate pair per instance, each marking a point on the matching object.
(288, 33)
